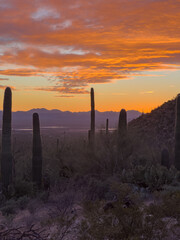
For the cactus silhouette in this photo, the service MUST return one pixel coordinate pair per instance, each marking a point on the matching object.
(107, 126)
(177, 134)
(122, 138)
(37, 152)
(92, 131)
(122, 126)
(165, 158)
(6, 160)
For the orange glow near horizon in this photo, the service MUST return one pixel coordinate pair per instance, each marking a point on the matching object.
(129, 51)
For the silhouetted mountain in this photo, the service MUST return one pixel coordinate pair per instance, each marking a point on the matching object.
(158, 126)
(22, 119)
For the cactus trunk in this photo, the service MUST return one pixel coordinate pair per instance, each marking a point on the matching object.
(92, 131)
(37, 152)
(122, 138)
(122, 126)
(177, 134)
(6, 161)
(107, 126)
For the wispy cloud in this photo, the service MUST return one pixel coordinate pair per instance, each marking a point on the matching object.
(147, 92)
(45, 13)
(64, 90)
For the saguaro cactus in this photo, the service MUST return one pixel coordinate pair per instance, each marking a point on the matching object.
(122, 126)
(123, 152)
(37, 152)
(165, 158)
(92, 131)
(107, 126)
(6, 160)
(177, 134)
(92, 112)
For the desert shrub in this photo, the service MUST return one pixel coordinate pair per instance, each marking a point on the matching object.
(9, 207)
(120, 222)
(125, 193)
(62, 215)
(174, 187)
(167, 205)
(97, 189)
(33, 205)
(23, 188)
(44, 196)
(152, 177)
(22, 202)
(156, 176)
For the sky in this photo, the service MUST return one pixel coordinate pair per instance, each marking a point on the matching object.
(53, 51)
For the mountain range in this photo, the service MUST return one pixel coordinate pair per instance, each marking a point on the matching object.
(57, 118)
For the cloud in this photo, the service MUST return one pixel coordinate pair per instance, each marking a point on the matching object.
(45, 13)
(22, 72)
(62, 25)
(64, 90)
(147, 92)
(77, 43)
(64, 96)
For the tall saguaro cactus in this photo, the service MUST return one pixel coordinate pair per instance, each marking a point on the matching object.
(37, 152)
(92, 112)
(6, 160)
(122, 138)
(92, 131)
(122, 126)
(177, 134)
(107, 126)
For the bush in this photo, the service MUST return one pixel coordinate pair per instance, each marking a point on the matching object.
(44, 196)
(167, 206)
(97, 189)
(152, 177)
(9, 207)
(23, 188)
(22, 202)
(120, 222)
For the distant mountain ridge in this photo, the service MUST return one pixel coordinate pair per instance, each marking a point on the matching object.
(23, 119)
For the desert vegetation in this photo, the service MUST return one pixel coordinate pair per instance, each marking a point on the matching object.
(106, 185)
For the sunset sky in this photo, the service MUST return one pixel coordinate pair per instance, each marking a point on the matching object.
(53, 51)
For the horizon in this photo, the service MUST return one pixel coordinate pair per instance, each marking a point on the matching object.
(124, 50)
(54, 109)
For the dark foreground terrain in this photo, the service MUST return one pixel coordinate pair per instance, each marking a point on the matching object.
(96, 193)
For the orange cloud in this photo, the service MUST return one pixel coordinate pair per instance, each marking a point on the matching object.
(64, 90)
(83, 42)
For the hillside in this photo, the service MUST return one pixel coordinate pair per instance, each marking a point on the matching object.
(156, 127)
